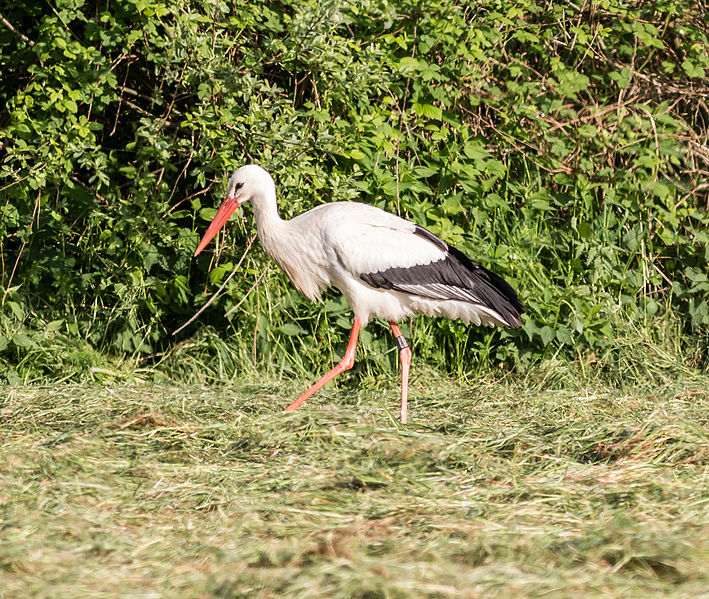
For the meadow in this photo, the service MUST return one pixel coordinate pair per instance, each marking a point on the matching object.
(563, 145)
(495, 489)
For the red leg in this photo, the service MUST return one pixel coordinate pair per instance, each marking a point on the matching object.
(345, 364)
(405, 357)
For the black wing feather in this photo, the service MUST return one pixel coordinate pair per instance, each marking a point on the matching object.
(456, 277)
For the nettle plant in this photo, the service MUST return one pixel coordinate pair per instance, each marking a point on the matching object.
(563, 144)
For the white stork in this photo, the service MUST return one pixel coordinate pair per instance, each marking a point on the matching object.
(385, 266)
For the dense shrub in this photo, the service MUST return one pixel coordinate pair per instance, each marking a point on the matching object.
(565, 145)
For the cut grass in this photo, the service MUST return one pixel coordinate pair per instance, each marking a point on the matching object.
(505, 490)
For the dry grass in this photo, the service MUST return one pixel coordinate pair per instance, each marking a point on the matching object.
(501, 491)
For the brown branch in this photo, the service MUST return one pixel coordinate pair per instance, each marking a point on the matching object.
(19, 34)
(188, 198)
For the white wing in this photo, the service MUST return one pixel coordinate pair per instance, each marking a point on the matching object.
(365, 239)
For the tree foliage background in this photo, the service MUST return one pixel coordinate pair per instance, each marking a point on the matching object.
(563, 144)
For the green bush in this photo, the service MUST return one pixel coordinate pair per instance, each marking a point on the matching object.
(561, 145)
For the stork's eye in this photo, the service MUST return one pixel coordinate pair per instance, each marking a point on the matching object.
(238, 186)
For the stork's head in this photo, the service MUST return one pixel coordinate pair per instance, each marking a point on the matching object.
(248, 182)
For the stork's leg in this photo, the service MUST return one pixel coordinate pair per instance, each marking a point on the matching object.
(345, 364)
(405, 357)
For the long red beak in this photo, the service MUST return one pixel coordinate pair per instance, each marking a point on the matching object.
(227, 208)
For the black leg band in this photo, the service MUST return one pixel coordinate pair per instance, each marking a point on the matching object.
(401, 342)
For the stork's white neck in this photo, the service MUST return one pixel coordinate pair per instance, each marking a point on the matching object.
(268, 222)
(265, 208)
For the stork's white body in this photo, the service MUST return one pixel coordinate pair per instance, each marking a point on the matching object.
(385, 266)
(337, 243)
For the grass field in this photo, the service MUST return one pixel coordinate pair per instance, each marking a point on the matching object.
(508, 489)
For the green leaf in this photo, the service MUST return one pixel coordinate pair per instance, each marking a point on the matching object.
(17, 310)
(585, 230)
(692, 69)
(547, 334)
(54, 325)
(290, 328)
(428, 110)
(563, 334)
(21, 340)
(208, 214)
